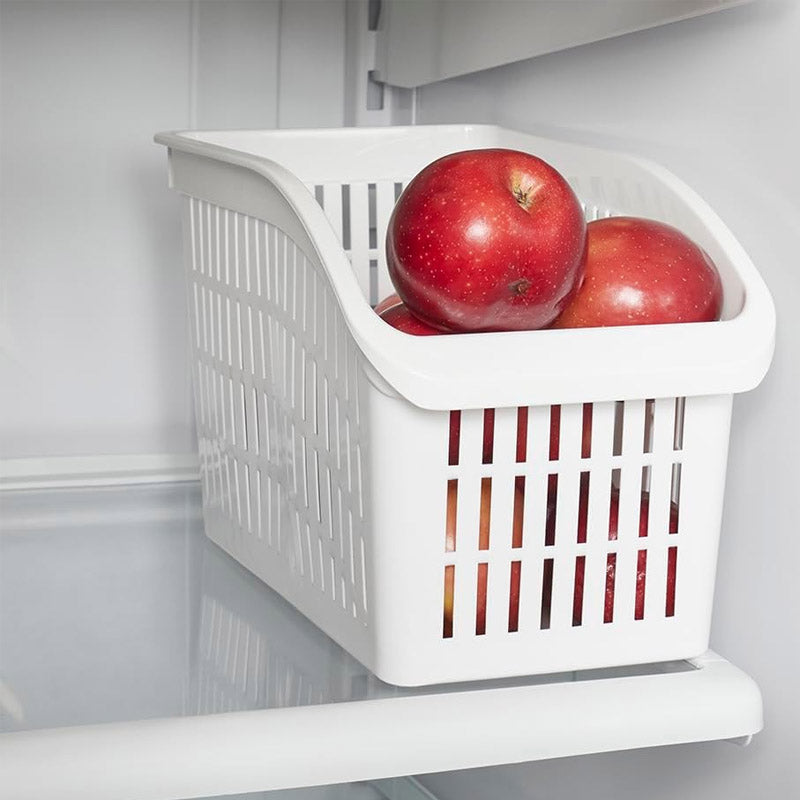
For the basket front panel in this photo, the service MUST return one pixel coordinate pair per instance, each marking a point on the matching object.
(279, 395)
(551, 538)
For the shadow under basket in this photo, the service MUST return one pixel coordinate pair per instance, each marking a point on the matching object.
(459, 507)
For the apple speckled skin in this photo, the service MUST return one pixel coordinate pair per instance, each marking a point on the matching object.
(487, 240)
(641, 272)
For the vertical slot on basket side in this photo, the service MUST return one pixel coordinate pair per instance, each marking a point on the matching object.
(586, 431)
(547, 593)
(513, 598)
(449, 595)
(482, 595)
(675, 496)
(522, 434)
(672, 578)
(577, 596)
(611, 571)
(488, 435)
(455, 438)
(451, 515)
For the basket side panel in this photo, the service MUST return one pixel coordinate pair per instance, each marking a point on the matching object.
(279, 394)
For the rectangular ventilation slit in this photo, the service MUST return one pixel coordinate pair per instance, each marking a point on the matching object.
(611, 570)
(552, 503)
(485, 514)
(613, 504)
(619, 418)
(674, 512)
(586, 433)
(519, 511)
(452, 515)
(577, 593)
(243, 412)
(319, 195)
(555, 432)
(522, 434)
(398, 190)
(672, 574)
(372, 206)
(346, 216)
(513, 598)
(488, 435)
(455, 437)
(641, 577)
(309, 550)
(583, 507)
(259, 519)
(449, 595)
(547, 593)
(644, 503)
(680, 415)
(317, 492)
(321, 562)
(248, 498)
(373, 282)
(257, 422)
(649, 422)
(480, 612)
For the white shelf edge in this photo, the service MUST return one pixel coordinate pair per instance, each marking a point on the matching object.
(353, 741)
(59, 472)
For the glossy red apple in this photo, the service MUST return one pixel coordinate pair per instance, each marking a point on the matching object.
(640, 272)
(487, 240)
(398, 316)
(388, 302)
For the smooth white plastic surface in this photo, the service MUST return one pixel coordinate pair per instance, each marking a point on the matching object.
(336, 451)
(139, 662)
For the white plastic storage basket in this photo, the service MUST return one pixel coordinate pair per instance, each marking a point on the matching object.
(440, 506)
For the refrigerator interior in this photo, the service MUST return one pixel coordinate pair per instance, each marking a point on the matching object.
(94, 370)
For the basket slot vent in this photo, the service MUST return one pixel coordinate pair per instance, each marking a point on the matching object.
(680, 414)
(547, 593)
(611, 574)
(449, 597)
(641, 583)
(672, 578)
(513, 599)
(452, 516)
(482, 595)
(577, 596)
(586, 430)
(488, 435)
(552, 510)
(455, 437)
(675, 496)
(485, 514)
(555, 432)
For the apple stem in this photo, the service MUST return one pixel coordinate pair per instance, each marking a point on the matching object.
(519, 287)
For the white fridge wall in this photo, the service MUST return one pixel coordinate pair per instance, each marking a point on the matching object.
(93, 346)
(715, 100)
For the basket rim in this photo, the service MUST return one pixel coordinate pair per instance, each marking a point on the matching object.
(523, 368)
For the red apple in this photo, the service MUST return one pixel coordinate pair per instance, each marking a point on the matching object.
(487, 240)
(388, 302)
(400, 317)
(641, 570)
(639, 272)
